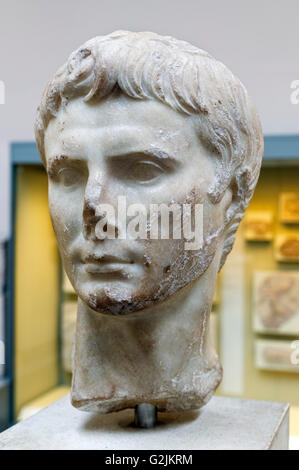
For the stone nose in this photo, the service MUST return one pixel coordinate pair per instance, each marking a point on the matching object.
(92, 201)
(94, 210)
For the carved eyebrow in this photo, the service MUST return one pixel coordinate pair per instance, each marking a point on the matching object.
(54, 163)
(160, 154)
(155, 152)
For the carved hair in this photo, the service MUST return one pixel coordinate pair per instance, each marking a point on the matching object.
(149, 66)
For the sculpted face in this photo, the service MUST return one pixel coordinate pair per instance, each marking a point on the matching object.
(148, 153)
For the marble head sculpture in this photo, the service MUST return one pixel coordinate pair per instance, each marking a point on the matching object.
(143, 119)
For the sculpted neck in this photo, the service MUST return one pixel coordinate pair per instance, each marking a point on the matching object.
(159, 355)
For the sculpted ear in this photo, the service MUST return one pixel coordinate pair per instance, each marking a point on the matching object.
(240, 191)
(227, 200)
(240, 194)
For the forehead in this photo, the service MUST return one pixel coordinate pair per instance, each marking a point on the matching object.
(119, 121)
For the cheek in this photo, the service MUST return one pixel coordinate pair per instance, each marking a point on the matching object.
(170, 258)
(213, 218)
(66, 214)
(160, 256)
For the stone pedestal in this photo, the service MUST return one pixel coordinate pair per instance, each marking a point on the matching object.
(224, 423)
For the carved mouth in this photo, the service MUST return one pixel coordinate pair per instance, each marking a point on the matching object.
(105, 264)
(93, 268)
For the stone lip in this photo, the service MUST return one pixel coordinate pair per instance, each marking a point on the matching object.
(224, 423)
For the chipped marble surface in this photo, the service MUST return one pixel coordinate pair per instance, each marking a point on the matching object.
(153, 120)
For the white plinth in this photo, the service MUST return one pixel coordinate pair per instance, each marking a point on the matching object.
(224, 423)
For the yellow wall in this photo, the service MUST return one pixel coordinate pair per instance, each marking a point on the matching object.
(259, 384)
(36, 289)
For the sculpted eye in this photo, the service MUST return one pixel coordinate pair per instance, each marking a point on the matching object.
(67, 172)
(69, 176)
(144, 171)
(145, 167)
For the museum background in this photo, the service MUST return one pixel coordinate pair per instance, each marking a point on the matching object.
(259, 42)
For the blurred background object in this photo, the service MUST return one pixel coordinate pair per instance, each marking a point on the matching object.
(255, 316)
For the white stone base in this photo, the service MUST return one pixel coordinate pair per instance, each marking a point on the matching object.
(224, 423)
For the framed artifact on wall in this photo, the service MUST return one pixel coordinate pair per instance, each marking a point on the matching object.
(259, 226)
(276, 302)
(289, 208)
(287, 248)
(276, 355)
